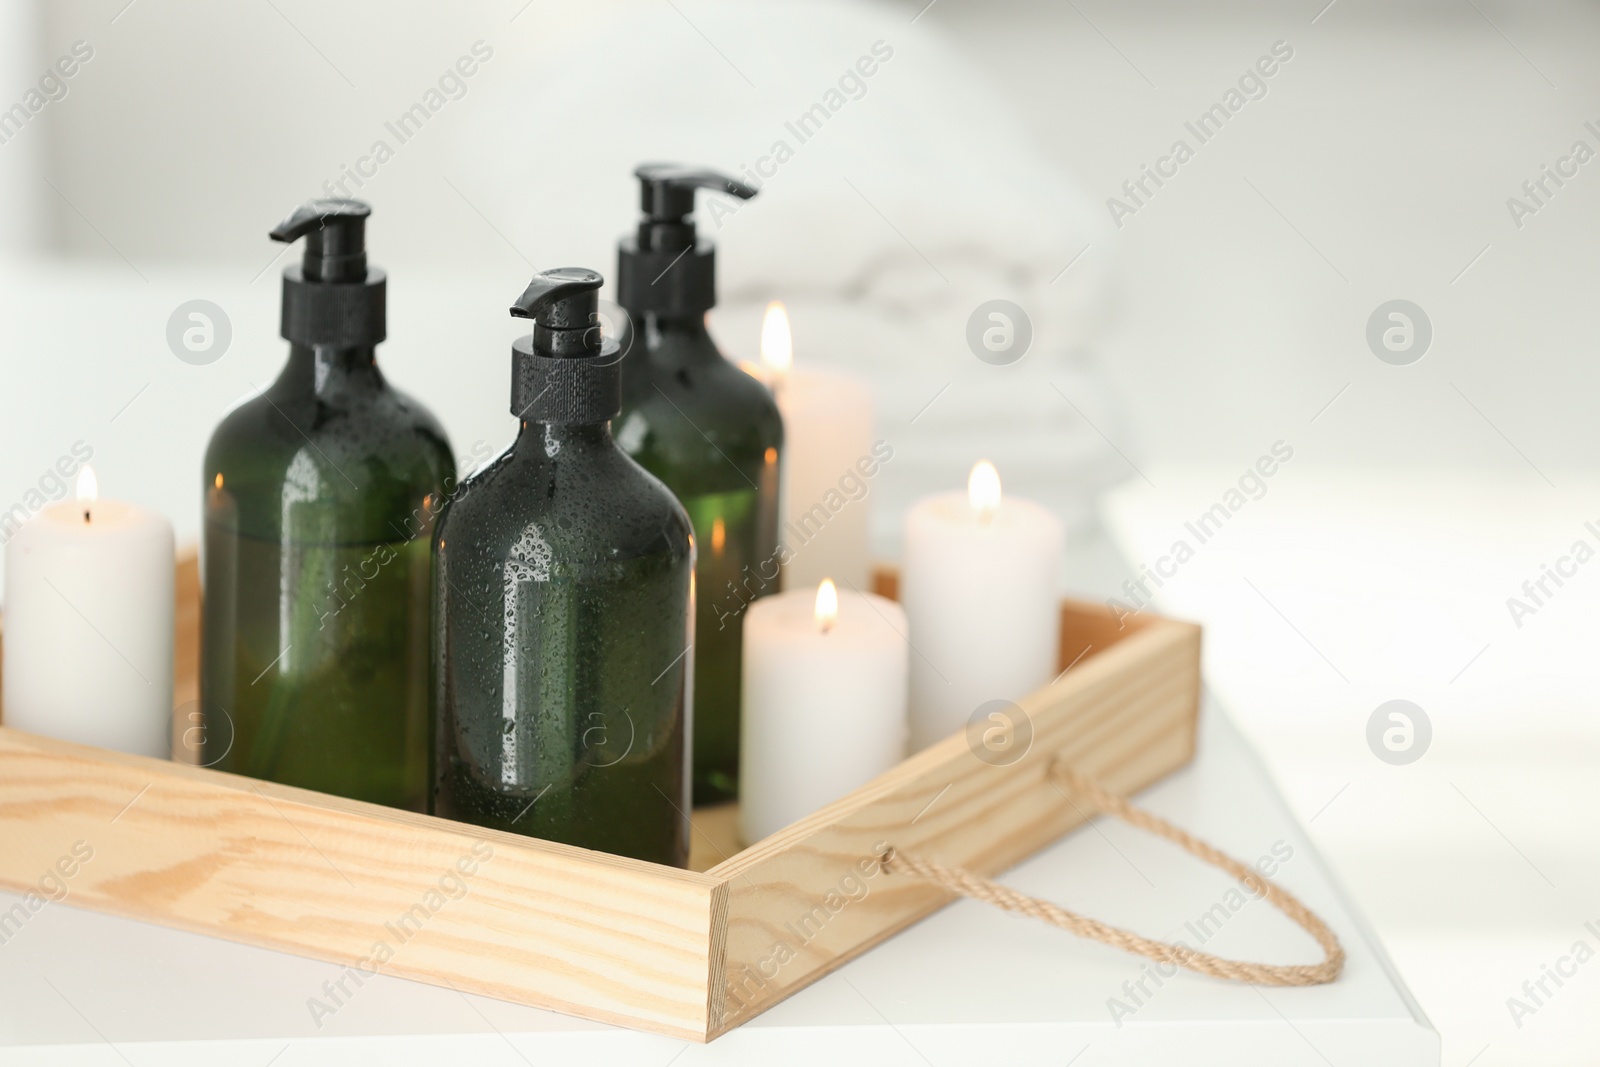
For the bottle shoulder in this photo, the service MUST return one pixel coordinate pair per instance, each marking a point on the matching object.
(702, 426)
(589, 505)
(708, 385)
(369, 459)
(277, 425)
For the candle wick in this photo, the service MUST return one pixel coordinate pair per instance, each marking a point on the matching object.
(85, 514)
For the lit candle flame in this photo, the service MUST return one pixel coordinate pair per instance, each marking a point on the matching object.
(777, 342)
(88, 488)
(719, 535)
(983, 490)
(827, 605)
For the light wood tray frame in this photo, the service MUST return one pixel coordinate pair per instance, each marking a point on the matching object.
(688, 953)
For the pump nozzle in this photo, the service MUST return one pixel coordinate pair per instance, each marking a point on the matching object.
(332, 298)
(336, 239)
(664, 268)
(564, 305)
(565, 298)
(666, 192)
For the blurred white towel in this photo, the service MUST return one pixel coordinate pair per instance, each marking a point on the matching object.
(919, 198)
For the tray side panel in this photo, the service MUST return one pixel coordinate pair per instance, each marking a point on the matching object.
(811, 897)
(359, 885)
(186, 726)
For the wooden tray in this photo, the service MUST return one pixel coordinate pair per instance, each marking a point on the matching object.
(688, 953)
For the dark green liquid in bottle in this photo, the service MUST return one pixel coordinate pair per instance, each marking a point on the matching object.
(319, 503)
(712, 433)
(562, 585)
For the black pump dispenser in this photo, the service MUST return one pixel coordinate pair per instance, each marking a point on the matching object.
(563, 582)
(332, 298)
(564, 372)
(319, 495)
(666, 269)
(711, 433)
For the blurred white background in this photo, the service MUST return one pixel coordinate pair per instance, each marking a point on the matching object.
(1227, 313)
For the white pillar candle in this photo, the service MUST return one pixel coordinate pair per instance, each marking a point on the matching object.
(978, 583)
(828, 459)
(88, 625)
(824, 702)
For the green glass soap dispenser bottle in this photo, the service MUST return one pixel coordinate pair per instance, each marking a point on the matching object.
(563, 600)
(708, 430)
(319, 499)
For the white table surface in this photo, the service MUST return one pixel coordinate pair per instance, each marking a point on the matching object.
(969, 984)
(1340, 589)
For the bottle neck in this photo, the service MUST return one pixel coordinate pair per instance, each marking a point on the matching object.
(549, 439)
(324, 371)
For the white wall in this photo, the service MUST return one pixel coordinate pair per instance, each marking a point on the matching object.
(1390, 142)
(24, 217)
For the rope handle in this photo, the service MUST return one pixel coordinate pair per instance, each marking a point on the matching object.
(979, 888)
